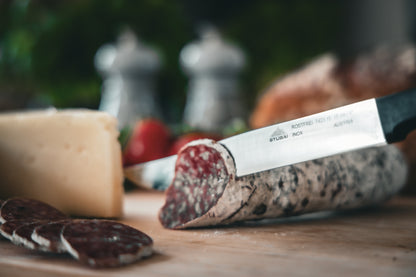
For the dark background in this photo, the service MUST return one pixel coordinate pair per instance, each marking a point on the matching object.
(47, 47)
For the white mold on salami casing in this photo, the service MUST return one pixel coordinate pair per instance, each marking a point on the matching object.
(217, 197)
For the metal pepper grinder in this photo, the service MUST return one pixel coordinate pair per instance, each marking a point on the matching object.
(213, 96)
(128, 69)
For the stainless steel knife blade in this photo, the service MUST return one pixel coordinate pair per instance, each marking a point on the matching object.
(155, 174)
(372, 122)
(331, 132)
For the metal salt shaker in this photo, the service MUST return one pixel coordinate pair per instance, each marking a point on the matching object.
(213, 96)
(128, 69)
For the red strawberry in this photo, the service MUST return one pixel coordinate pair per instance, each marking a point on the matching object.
(150, 140)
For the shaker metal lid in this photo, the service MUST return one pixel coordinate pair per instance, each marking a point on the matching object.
(211, 53)
(127, 54)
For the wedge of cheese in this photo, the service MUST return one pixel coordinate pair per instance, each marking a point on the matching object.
(70, 159)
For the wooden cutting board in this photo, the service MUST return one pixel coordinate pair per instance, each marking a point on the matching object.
(376, 242)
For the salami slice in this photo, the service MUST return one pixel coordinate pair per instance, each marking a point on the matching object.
(205, 190)
(7, 228)
(2, 237)
(48, 236)
(105, 243)
(23, 233)
(28, 209)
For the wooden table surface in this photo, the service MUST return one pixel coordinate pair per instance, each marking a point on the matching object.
(375, 242)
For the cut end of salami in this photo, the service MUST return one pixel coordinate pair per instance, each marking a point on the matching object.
(202, 171)
(104, 243)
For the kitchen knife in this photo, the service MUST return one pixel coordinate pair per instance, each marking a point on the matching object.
(372, 122)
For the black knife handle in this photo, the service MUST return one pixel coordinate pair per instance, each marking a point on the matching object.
(397, 114)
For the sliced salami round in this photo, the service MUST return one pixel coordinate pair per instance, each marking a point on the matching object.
(203, 169)
(105, 243)
(28, 209)
(48, 235)
(1, 237)
(22, 235)
(205, 190)
(7, 228)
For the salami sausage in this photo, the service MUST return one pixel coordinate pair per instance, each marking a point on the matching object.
(205, 190)
(29, 210)
(22, 235)
(97, 243)
(48, 236)
(7, 228)
(18, 212)
(105, 243)
(2, 237)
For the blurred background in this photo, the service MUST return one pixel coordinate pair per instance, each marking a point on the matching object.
(48, 55)
(47, 48)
